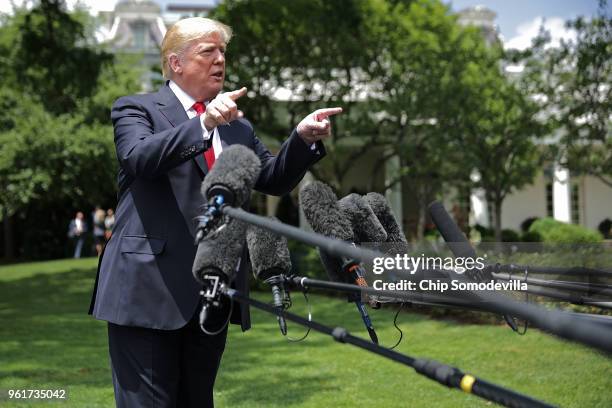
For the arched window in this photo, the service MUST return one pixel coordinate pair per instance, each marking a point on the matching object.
(140, 35)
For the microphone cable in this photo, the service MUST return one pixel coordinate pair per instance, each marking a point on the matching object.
(309, 306)
(444, 374)
(525, 322)
(401, 333)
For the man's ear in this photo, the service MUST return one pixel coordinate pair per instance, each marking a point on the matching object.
(175, 64)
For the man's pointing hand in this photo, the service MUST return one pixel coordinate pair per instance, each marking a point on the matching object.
(316, 126)
(223, 109)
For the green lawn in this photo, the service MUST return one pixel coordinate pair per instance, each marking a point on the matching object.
(47, 341)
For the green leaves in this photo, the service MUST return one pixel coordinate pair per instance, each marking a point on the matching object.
(55, 159)
(49, 56)
(56, 140)
(576, 80)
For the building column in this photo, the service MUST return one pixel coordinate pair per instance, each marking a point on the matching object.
(394, 194)
(479, 213)
(561, 195)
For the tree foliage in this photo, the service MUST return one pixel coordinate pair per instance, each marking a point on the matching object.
(413, 83)
(50, 56)
(56, 144)
(575, 83)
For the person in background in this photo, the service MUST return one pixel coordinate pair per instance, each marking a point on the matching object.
(76, 230)
(98, 229)
(109, 222)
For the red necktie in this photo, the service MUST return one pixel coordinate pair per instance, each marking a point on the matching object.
(209, 155)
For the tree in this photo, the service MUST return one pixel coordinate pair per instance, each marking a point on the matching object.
(390, 64)
(585, 99)
(498, 127)
(575, 80)
(425, 51)
(320, 53)
(56, 144)
(50, 56)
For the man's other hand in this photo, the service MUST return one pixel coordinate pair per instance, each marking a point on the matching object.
(316, 126)
(223, 109)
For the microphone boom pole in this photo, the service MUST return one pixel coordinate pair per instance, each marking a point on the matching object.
(444, 374)
(556, 322)
(330, 245)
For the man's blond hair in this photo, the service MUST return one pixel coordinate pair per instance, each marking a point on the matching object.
(184, 31)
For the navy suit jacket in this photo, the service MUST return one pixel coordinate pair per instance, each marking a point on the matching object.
(144, 276)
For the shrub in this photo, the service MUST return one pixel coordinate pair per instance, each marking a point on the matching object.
(486, 234)
(604, 227)
(531, 236)
(509, 235)
(306, 261)
(555, 231)
(527, 223)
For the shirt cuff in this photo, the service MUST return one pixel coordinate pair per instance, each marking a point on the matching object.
(205, 133)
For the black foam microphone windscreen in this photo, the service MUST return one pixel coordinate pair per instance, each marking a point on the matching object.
(320, 206)
(454, 237)
(323, 213)
(270, 258)
(365, 224)
(219, 252)
(457, 242)
(233, 175)
(268, 252)
(378, 203)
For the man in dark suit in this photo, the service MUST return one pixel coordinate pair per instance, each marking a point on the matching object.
(166, 142)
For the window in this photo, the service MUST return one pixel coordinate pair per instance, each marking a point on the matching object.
(575, 204)
(140, 35)
(549, 200)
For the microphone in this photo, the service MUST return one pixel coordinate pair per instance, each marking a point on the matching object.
(219, 252)
(270, 260)
(458, 243)
(321, 209)
(379, 205)
(229, 182)
(456, 240)
(364, 223)
(216, 262)
(460, 247)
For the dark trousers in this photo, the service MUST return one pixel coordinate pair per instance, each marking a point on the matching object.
(164, 368)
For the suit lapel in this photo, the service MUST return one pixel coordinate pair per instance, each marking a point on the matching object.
(169, 106)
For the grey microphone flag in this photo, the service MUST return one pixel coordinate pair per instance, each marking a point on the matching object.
(268, 252)
(233, 175)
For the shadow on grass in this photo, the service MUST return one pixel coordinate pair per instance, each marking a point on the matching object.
(289, 373)
(48, 341)
(46, 336)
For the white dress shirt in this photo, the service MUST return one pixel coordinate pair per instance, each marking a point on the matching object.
(187, 102)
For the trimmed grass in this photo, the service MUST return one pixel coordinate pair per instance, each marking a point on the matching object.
(47, 342)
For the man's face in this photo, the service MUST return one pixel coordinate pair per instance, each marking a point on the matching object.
(201, 68)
